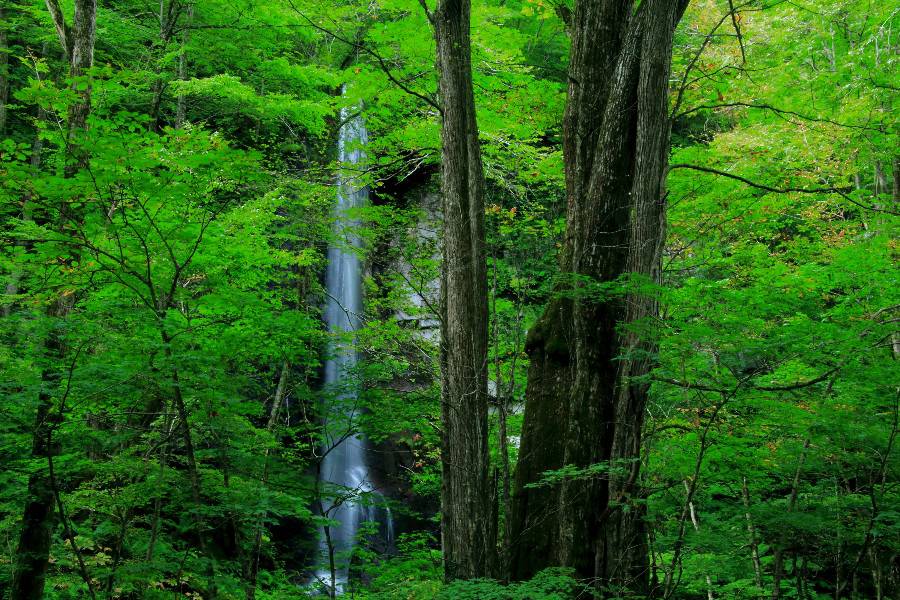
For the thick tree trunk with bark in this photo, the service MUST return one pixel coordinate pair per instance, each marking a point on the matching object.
(467, 527)
(585, 399)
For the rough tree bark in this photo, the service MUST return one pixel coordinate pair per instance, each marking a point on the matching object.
(83, 34)
(585, 400)
(33, 550)
(77, 43)
(467, 528)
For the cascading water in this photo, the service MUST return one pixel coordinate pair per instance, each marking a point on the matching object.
(349, 497)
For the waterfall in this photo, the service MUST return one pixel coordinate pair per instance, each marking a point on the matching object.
(350, 497)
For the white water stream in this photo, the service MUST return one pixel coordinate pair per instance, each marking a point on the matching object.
(349, 496)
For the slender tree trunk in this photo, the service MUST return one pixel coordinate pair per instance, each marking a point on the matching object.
(4, 69)
(654, 563)
(503, 495)
(181, 108)
(251, 570)
(468, 530)
(896, 185)
(192, 466)
(68, 531)
(37, 523)
(777, 551)
(506, 490)
(583, 404)
(33, 552)
(169, 13)
(752, 539)
(159, 85)
(117, 550)
(670, 582)
(696, 523)
(876, 574)
(157, 503)
(881, 185)
(77, 43)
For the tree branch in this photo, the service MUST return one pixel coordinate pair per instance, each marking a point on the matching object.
(59, 22)
(737, 31)
(774, 109)
(679, 96)
(688, 385)
(428, 13)
(760, 186)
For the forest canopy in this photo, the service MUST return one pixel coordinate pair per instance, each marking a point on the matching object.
(414, 299)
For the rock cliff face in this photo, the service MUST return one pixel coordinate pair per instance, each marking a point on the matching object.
(408, 264)
(423, 291)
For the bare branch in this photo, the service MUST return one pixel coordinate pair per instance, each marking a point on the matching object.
(679, 97)
(737, 30)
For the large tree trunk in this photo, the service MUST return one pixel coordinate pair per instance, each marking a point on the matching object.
(468, 529)
(585, 400)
